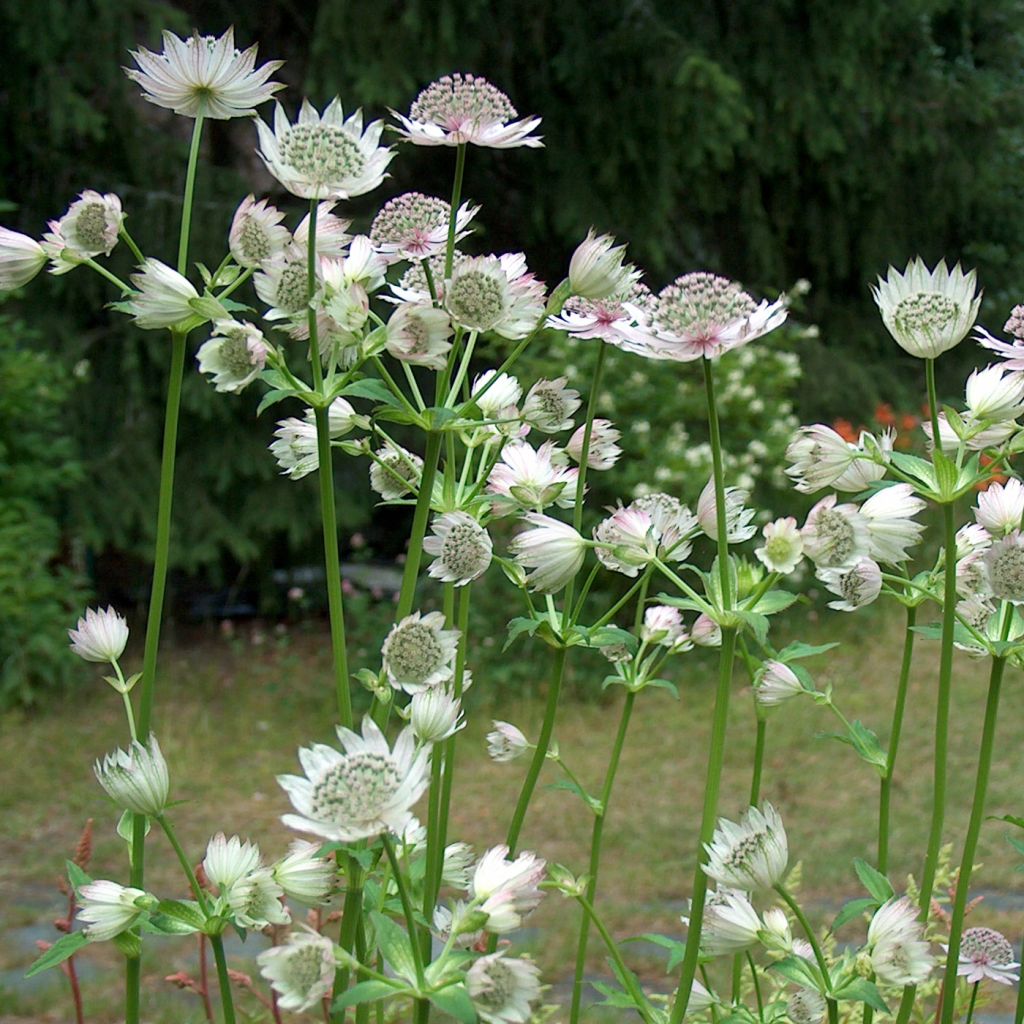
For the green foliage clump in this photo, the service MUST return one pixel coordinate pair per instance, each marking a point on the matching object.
(39, 596)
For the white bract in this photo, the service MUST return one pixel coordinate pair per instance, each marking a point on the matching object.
(506, 889)
(552, 549)
(163, 297)
(136, 779)
(419, 652)
(506, 742)
(305, 876)
(751, 854)
(899, 954)
(503, 989)
(461, 548)
(21, 258)
(596, 270)
(109, 909)
(301, 972)
(100, 636)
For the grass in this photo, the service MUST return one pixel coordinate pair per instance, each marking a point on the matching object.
(230, 716)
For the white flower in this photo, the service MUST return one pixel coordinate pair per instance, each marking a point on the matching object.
(531, 478)
(705, 632)
(234, 355)
(783, 546)
(457, 870)
(420, 335)
(459, 109)
(995, 394)
(503, 990)
(1004, 568)
(491, 293)
(419, 652)
(775, 684)
(596, 270)
(777, 933)
(615, 320)
(927, 311)
(985, 953)
(21, 258)
(324, 156)
(890, 527)
(820, 458)
(604, 450)
(751, 854)
(296, 448)
(108, 909)
(856, 585)
(738, 519)
(805, 1006)
(203, 75)
(700, 999)
(1012, 352)
(649, 528)
(1001, 508)
(332, 237)
(282, 282)
(495, 392)
(257, 234)
(304, 875)
(400, 472)
(549, 406)
(228, 860)
(414, 226)
(835, 535)
(552, 549)
(367, 790)
(301, 972)
(703, 315)
(100, 636)
(162, 297)
(506, 742)
(899, 954)
(90, 227)
(507, 889)
(435, 715)
(663, 625)
(461, 548)
(730, 923)
(975, 537)
(255, 901)
(136, 779)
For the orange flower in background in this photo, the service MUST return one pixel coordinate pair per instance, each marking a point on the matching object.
(845, 429)
(908, 421)
(998, 478)
(884, 416)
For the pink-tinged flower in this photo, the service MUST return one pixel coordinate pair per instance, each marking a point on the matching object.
(461, 548)
(703, 315)
(495, 293)
(891, 528)
(820, 458)
(896, 944)
(234, 355)
(459, 109)
(503, 990)
(995, 394)
(332, 237)
(531, 478)
(506, 742)
(1004, 568)
(835, 535)
(985, 953)
(1011, 352)
(604, 450)
(414, 226)
(596, 270)
(507, 889)
(282, 282)
(549, 406)
(705, 632)
(663, 625)
(552, 549)
(615, 319)
(420, 335)
(738, 519)
(368, 789)
(101, 635)
(324, 156)
(21, 258)
(856, 585)
(775, 684)
(204, 75)
(90, 227)
(256, 233)
(649, 528)
(783, 547)
(1001, 507)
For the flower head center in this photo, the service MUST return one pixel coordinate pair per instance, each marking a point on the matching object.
(235, 353)
(455, 100)
(925, 311)
(415, 652)
(700, 305)
(476, 299)
(303, 967)
(408, 218)
(90, 228)
(323, 153)
(292, 292)
(1006, 568)
(464, 549)
(836, 534)
(355, 788)
(500, 986)
(253, 240)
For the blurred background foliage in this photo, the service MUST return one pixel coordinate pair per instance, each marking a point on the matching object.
(775, 143)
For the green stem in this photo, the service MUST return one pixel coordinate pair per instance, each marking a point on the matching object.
(112, 278)
(460, 170)
(719, 477)
(422, 1006)
(130, 242)
(132, 987)
(759, 747)
(885, 793)
(1018, 1013)
(819, 956)
(419, 526)
(186, 865)
(190, 188)
(350, 917)
(757, 986)
(223, 979)
(596, 836)
(970, 1007)
(988, 735)
(933, 402)
(707, 827)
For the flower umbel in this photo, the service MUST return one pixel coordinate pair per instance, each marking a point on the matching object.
(301, 972)
(751, 854)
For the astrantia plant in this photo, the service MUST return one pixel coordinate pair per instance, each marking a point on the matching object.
(370, 334)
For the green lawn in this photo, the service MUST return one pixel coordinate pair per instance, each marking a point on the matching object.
(230, 716)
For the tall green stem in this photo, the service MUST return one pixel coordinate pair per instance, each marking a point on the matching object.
(707, 827)
(759, 747)
(988, 735)
(419, 526)
(161, 556)
(223, 979)
(328, 509)
(819, 956)
(933, 402)
(596, 836)
(721, 520)
(460, 170)
(422, 1006)
(885, 792)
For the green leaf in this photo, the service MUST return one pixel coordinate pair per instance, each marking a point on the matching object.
(865, 742)
(454, 1000)
(773, 602)
(272, 398)
(373, 389)
(128, 943)
(66, 946)
(854, 909)
(571, 787)
(920, 469)
(518, 626)
(686, 603)
(663, 684)
(756, 623)
(800, 972)
(394, 944)
(799, 650)
(874, 881)
(676, 949)
(161, 924)
(76, 876)
(187, 913)
(607, 636)
(364, 992)
(860, 990)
